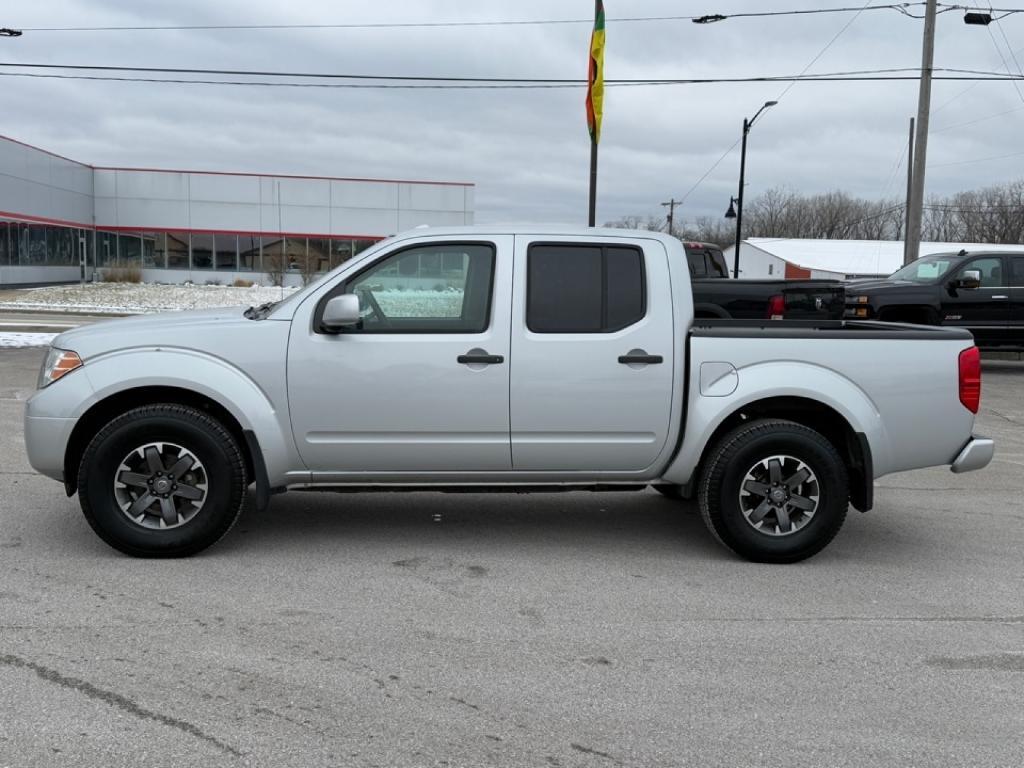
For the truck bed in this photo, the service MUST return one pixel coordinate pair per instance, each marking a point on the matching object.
(822, 329)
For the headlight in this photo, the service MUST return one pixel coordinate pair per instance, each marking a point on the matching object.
(58, 362)
(859, 300)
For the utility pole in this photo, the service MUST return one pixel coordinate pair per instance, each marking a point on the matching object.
(910, 190)
(924, 99)
(671, 205)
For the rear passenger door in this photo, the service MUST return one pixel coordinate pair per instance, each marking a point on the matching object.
(592, 354)
(1016, 335)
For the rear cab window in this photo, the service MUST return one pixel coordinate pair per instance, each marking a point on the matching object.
(705, 260)
(583, 288)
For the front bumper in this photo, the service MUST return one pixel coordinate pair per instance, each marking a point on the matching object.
(46, 439)
(976, 454)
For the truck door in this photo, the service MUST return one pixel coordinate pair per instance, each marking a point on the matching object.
(422, 385)
(592, 354)
(984, 311)
(1016, 332)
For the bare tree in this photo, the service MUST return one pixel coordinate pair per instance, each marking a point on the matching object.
(990, 215)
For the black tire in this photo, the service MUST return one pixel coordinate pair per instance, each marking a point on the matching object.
(192, 429)
(670, 491)
(751, 446)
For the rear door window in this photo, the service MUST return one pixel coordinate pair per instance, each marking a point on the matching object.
(1017, 277)
(584, 288)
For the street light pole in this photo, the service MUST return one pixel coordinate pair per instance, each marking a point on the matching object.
(747, 125)
(739, 203)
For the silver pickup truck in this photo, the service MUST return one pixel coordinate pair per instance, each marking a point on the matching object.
(509, 359)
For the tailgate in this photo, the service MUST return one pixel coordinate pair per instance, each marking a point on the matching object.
(814, 302)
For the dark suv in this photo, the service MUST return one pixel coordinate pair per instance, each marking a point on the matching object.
(982, 291)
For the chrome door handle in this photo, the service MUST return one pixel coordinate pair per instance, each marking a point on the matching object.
(1000, 297)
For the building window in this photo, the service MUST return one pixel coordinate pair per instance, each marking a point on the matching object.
(295, 251)
(202, 251)
(129, 248)
(106, 249)
(226, 250)
(177, 250)
(249, 253)
(319, 254)
(154, 249)
(5, 243)
(341, 251)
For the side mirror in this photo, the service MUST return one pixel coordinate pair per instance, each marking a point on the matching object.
(970, 280)
(341, 311)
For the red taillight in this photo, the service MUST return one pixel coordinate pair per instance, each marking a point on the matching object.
(776, 307)
(970, 379)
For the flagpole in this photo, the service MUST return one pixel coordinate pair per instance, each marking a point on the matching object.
(593, 182)
(595, 101)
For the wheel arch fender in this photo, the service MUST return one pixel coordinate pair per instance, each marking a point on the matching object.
(779, 384)
(139, 376)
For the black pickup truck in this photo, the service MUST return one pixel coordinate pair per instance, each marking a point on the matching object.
(715, 295)
(982, 291)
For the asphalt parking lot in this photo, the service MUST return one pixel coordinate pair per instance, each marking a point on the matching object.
(558, 630)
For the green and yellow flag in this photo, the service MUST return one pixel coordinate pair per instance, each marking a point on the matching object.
(595, 77)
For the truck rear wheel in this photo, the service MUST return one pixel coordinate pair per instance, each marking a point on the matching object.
(162, 481)
(774, 491)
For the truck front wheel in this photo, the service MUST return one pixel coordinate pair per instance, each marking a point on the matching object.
(162, 481)
(774, 491)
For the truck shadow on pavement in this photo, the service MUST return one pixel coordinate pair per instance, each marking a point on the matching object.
(624, 524)
(577, 520)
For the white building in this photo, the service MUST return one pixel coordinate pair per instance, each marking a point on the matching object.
(60, 219)
(776, 257)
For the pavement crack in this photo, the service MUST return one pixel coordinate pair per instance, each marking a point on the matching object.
(1003, 416)
(997, 662)
(595, 752)
(115, 700)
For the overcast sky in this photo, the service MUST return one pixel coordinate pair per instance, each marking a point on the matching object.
(527, 151)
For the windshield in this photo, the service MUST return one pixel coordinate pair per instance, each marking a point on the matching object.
(924, 270)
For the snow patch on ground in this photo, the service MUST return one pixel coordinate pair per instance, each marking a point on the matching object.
(137, 298)
(25, 339)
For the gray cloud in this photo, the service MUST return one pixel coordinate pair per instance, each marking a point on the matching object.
(527, 151)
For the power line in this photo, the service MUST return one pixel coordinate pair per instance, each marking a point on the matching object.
(408, 81)
(828, 45)
(455, 24)
(977, 160)
(778, 98)
(1003, 58)
(978, 120)
(709, 170)
(515, 85)
(979, 209)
